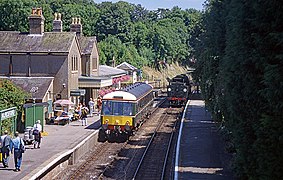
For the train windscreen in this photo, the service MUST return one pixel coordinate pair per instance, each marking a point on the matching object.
(117, 108)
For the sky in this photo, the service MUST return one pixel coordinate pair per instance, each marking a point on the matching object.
(155, 4)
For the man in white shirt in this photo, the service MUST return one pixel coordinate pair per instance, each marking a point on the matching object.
(37, 128)
(18, 147)
(91, 106)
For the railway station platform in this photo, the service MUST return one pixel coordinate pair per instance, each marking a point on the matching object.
(61, 141)
(200, 149)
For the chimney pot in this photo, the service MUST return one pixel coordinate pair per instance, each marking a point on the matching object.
(76, 26)
(36, 21)
(39, 11)
(55, 16)
(57, 23)
(33, 11)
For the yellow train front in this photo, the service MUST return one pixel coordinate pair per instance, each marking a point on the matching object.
(123, 111)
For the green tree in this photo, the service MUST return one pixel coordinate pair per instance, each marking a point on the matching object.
(239, 63)
(86, 11)
(10, 96)
(14, 13)
(138, 14)
(115, 20)
(114, 49)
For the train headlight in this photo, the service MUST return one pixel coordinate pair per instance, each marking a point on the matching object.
(185, 90)
(169, 89)
(105, 126)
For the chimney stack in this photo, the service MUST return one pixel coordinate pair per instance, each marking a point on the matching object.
(76, 26)
(36, 21)
(57, 23)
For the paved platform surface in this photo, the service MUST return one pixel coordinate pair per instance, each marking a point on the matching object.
(59, 140)
(201, 153)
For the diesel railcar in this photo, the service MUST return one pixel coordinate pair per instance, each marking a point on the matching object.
(124, 110)
(178, 90)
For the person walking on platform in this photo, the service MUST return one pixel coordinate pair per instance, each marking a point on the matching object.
(84, 115)
(79, 110)
(91, 106)
(5, 142)
(99, 104)
(19, 148)
(37, 128)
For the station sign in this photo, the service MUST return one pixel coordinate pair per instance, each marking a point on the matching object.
(78, 92)
(8, 113)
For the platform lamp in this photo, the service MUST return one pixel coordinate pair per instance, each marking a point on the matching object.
(33, 90)
(63, 87)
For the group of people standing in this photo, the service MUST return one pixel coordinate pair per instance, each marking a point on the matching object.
(91, 105)
(83, 110)
(16, 146)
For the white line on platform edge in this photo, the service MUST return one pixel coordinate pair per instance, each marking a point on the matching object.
(38, 174)
(176, 170)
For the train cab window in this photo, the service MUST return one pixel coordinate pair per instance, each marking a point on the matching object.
(106, 108)
(127, 109)
(117, 108)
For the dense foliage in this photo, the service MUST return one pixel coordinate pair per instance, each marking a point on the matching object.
(240, 67)
(237, 45)
(125, 32)
(10, 96)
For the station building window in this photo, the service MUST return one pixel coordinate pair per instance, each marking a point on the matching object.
(74, 63)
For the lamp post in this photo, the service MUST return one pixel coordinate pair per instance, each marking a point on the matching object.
(33, 106)
(63, 87)
(33, 90)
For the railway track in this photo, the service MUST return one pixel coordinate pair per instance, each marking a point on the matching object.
(94, 164)
(154, 160)
(129, 155)
(85, 168)
(129, 158)
(118, 160)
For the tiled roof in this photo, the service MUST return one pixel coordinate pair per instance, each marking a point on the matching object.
(16, 42)
(110, 71)
(86, 44)
(27, 83)
(126, 66)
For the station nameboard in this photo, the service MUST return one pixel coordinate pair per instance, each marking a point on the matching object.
(78, 92)
(7, 113)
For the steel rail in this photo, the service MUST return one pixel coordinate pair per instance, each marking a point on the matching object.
(135, 152)
(168, 150)
(149, 144)
(82, 168)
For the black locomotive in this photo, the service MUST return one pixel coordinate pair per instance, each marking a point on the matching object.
(178, 90)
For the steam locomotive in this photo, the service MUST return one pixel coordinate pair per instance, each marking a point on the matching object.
(178, 90)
